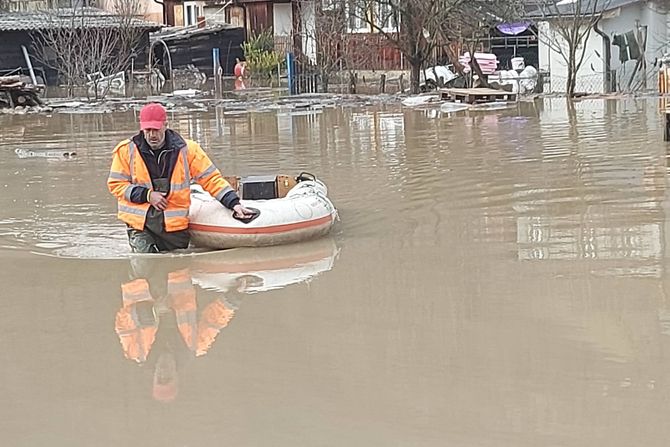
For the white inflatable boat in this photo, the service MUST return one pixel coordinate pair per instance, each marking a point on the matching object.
(287, 210)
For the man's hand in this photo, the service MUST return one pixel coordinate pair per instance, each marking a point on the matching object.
(242, 212)
(158, 200)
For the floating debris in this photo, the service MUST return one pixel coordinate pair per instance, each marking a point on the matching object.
(453, 107)
(58, 154)
(419, 100)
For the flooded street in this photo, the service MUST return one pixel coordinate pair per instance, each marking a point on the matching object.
(497, 279)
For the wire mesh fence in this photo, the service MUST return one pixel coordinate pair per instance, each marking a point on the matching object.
(591, 83)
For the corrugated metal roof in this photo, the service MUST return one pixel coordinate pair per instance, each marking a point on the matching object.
(66, 18)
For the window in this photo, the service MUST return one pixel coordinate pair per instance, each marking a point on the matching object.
(386, 17)
(357, 17)
(189, 20)
(192, 10)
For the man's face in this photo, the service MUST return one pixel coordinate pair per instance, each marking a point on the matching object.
(155, 137)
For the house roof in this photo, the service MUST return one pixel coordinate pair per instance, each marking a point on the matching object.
(67, 17)
(535, 9)
(178, 33)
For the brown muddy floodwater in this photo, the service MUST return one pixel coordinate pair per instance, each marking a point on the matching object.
(497, 279)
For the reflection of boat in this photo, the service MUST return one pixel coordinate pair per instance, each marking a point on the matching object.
(266, 268)
(288, 210)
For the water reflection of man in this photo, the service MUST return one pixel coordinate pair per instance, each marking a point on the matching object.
(159, 324)
(150, 177)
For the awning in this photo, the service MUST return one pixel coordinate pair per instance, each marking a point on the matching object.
(513, 29)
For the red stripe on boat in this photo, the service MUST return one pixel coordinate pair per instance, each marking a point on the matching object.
(260, 230)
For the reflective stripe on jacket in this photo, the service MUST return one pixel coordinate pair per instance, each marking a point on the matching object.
(129, 171)
(183, 302)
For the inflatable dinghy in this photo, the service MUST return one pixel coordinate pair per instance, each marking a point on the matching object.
(286, 210)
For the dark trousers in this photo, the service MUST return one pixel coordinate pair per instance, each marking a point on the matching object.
(154, 238)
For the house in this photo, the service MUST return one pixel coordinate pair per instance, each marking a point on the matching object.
(293, 23)
(175, 12)
(286, 19)
(194, 29)
(149, 10)
(193, 46)
(19, 29)
(298, 26)
(620, 53)
(511, 40)
(37, 5)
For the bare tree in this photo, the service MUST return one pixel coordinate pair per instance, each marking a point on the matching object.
(338, 51)
(567, 28)
(418, 27)
(328, 35)
(469, 26)
(409, 25)
(84, 49)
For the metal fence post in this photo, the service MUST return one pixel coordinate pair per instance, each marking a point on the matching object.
(215, 66)
(290, 71)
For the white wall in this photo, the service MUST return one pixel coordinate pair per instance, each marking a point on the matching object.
(590, 77)
(544, 50)
(283, 19)
(617, 21)
(657, 31)
(308, 27)
(150, 10)
(622, 20)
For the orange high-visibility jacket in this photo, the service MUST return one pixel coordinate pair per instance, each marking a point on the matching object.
(215, 317)
(129, 171)
(183, 301)
(137, 339)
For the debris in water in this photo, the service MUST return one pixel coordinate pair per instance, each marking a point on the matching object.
(27, 153)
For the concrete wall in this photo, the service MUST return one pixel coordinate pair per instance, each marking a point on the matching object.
(619, 21)
(589, 77)
(616, 21)
(656, 19)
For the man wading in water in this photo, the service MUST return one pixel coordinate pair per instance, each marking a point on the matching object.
(151, 175)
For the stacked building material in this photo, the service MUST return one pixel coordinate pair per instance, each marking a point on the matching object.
(488, 62)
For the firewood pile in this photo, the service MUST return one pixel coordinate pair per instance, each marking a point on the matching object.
(14, 92)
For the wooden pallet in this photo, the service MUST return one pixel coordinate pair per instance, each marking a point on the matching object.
(476, 95)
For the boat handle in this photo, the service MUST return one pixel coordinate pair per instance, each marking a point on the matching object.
(246, 220)
(303, 176)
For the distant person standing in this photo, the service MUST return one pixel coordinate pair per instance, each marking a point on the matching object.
(151, 175)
